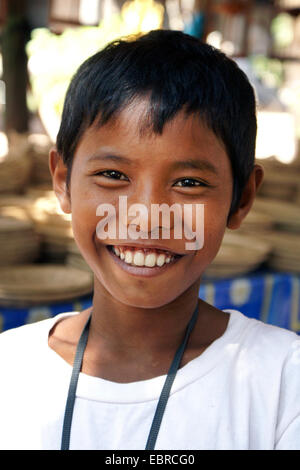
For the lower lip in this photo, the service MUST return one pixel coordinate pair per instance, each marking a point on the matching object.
(142, 270)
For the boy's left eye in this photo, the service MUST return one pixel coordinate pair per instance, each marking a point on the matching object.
(112, 174)
(190, 182)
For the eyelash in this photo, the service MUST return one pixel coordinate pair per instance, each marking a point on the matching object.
(200, 183)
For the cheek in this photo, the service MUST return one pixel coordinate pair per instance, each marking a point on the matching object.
(84, 217)
(213, 229)
(86, 220)
(83, 234)
(208, 219)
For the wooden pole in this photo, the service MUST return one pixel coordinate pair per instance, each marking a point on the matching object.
(16, 33)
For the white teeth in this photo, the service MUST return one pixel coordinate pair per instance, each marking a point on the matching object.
(138, 258)
(128, 257)
(160, 260)
(116, 250)
(150, 260)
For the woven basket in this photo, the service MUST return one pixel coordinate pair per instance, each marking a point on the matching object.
(15, 173)
(31, 284)
(46, 299)
(285, 215)
(285, 250)
(39, 153)
(16, 165)
(53, 226)
(285, 265)
(256, 221)
(272, 164)
(39, 190)
(18, 241)
(239, 253)
(75, 259)
(12, 224)
(281, 181)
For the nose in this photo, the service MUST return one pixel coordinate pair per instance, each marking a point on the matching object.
(148, 210)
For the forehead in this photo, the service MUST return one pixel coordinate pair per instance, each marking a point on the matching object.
(131, 134)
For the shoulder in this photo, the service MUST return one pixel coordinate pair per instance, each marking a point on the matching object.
(264, 341)
(24, 343)
(267, 363)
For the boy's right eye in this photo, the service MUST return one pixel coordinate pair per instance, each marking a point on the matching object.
(112, 174)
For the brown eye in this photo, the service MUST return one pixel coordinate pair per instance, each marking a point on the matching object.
(113, 174)
(190, 182)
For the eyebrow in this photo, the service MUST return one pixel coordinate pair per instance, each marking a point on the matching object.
(112, 158)
(191, 163)
(195, 164)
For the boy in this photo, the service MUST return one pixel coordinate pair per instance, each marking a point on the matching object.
(160, 119)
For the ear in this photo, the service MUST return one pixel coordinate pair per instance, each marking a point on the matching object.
(247, 199)
(58, 171)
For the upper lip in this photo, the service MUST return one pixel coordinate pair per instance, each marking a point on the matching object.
(142, 245)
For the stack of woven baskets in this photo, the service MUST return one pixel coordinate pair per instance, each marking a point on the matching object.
(19, 243)
(34, 232)
(270, 233)
(40, 208)
(281, 181)
(15, 167)
(75, 258)
(241, 250)
(285, 236)
(53, 225)
(39, 151)
(27, 285)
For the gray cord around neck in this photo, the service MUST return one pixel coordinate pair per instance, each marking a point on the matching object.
(163, 399)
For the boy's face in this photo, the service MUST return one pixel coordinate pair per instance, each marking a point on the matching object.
(148, 176)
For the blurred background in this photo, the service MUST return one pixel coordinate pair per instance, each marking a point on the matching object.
(42, 43)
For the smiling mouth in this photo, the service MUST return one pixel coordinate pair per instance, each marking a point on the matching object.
(148, 258)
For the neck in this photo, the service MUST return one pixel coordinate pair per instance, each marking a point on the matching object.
(122, 327)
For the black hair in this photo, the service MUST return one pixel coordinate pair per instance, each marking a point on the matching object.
(176, 71)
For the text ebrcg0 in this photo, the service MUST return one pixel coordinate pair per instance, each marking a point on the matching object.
(175, 459)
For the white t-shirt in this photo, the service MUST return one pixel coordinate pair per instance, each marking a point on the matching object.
(243, 393)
